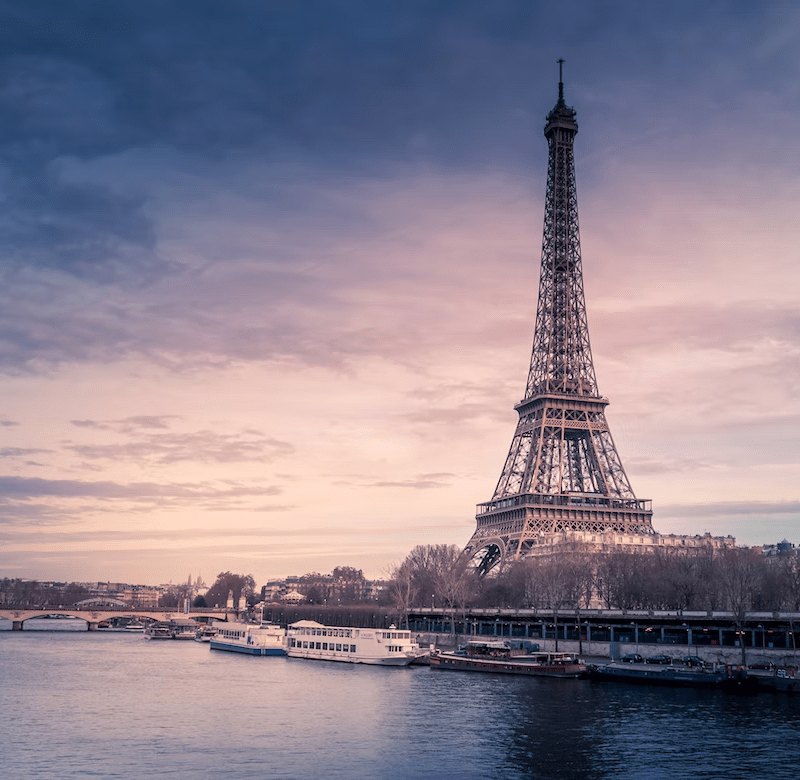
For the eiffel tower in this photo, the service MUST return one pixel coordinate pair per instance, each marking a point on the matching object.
(562, 472)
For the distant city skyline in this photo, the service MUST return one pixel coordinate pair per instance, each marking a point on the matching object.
(270, 272)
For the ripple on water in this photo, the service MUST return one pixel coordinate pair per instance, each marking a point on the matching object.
(85, 704)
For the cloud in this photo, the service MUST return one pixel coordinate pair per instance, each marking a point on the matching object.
(299, 290)
(129, 424)
(751, 509)
(668, 466)
(17, 490)
(90, 424)
(423, 482)
(202, 446)
(20, 452)
(307, 235)
(738, 327)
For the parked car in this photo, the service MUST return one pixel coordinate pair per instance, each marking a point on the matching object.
(659, 659)
(631, 658)
(694, 660)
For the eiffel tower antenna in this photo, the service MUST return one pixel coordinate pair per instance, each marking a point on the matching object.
(562, 472)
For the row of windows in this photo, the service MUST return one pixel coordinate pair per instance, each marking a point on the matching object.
(342, 632)
(394, 634)
(324, 646)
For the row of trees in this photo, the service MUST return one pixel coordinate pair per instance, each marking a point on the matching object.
(31, 593)
(738, 580)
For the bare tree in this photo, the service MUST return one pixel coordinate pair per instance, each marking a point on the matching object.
(402, 590)
(739, 578)
(790, 570)
(435, 571)
(619, 579)
(505, 588)
(675, 581)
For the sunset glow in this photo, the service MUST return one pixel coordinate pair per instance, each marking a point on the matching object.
(270, 272)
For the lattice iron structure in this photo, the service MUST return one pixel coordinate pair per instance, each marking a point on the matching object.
(562, 472)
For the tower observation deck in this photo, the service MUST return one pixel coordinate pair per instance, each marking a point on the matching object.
(562, 472)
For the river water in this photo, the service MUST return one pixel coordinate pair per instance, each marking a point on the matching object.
(115, 705)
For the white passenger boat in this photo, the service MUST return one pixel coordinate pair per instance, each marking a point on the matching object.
(389, 647)
(205, 634)
(263, 639)
(183, 628)
(171, 629)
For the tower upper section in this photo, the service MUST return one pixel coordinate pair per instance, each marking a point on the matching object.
(561, 361)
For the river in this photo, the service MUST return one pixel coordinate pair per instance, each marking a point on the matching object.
(114, 705)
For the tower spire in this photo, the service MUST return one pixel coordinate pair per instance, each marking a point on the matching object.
(562, 472)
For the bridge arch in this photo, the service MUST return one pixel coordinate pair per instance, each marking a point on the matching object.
(102, 601)
(94, 616)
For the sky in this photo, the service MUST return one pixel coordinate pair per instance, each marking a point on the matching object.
(270, 271)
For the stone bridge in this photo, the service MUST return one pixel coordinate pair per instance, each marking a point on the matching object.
(93, 615)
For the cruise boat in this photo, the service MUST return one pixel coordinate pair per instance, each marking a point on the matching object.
(382, 647)
(158, 630)
(500, 657)
(205, 633)
(252, 639)
(183, 628)
(171, 629)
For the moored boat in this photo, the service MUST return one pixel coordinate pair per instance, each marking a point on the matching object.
(171, 629)
(205, 633)
(252, 639)
(382, 647)
(158, 630)
(656, 675)
(727, 678)
(501, 658)
(785, 680)
(183, 629)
